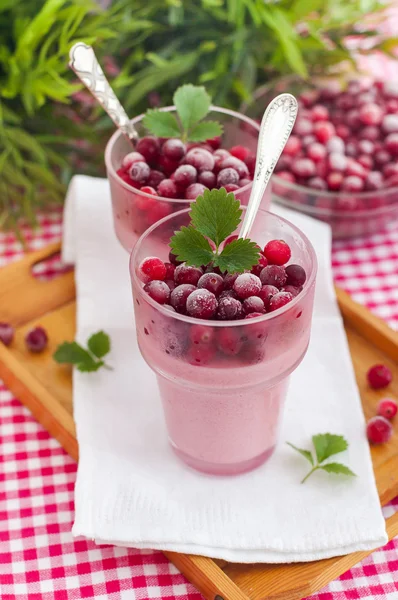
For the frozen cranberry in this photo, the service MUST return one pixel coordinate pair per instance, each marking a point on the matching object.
(155, 177)
(308, 140)
(294, 291)
(374, 181)
(296, 275)
(342, 131)
(354, 168)
(194, 190)
(125, 177)
(219, 156)
(212, 282)
(284, 163)
(293, 146)
(167, 189)
(36, 339)
(201, 354)
(337, 162)
(151, 268)
(174, 260)
(240, 152)
(230, 278)
(365, 147)
(351, 149)
(171, 284)
(167, 165)
(379, 376)
(390, 170)
(370, 133)
(178, 297)
(365, 161)
(273, 275)
(262, 262)
(227, 176)
(158, 291)
(304, 167)
(201, 334)
(243, 182)
(229, 341)
(319, 113)
(353, 120)
(149, 147)
(266, 293)
(277, 252)
(352, 184)
(130, 159)
(228, 294)
(287, 176)
(215, 142)
(335, 145)
(309, 97)
(392, 143)
(382, 157)
(187, 274)
(392, 106)
(387, 408)
(247, 285)
(324, 130)
(345, 101)
(390, 89)
(147, 189)
(208, 179)
(185, 175)
(229, 308)
(371, 114)
(253, 304)
(234, 163)
(279, 300)
(201, 304)
(6, 333)
(303, 127)
(174, 148)
(317, 183)
(391, 182)
(250, 162)
(139, 172)
(316, 152)
(170, 269)
(378, 430)
(201, 159)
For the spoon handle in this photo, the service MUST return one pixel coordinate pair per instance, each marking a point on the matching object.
(86, 66)
(276, 127)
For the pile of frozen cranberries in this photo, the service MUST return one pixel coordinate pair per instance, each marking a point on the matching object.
(344, 141)
(171, 169)
(206, 293)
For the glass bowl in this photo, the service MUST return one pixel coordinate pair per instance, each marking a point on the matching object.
(135, 211)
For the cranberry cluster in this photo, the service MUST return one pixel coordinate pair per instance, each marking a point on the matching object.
(171, 169)
(345, 141)
(379, 429)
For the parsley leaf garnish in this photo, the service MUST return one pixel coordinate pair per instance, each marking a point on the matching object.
(86, 360)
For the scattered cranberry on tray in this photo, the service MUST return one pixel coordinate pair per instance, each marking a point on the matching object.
(36, 339)
(379, 376)
(378, 430)
(6, 333)
(387, 408)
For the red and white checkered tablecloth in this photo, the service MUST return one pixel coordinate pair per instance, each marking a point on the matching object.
(39, 558)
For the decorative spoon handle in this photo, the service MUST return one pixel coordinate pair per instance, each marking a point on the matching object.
(276, 127)
(86, 66)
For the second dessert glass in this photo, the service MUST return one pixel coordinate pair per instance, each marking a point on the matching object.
(223, 400)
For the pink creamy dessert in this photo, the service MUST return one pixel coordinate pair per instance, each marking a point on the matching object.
(223, 375)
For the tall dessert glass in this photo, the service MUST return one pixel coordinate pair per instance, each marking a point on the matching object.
(223, 400)
(135, 211)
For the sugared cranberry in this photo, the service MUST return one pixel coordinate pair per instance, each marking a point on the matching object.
(294, 291)
(167, 189)
(201, 304)
(309, 97)
(6, 333)
(171, 283)
(174, 148)
(158, 211)
(229, 308)
(194, 190)
(273, 275)
(316, 151)
(208, 179)
(287, 176)
(228, 294)
(227, 176)
(253, 304)
(266, 293)
(379, 376)
(130, 159)
(174, 260)
(170, 269)
(382, 157)
(296, 275)
(374, 181)
(392, 143)
(201, 334)
(304, 167)
(354, 168)
(179, 296)
(334, 181)
(151, 268)
(335, 144)
(247, 285)
(231, 162)
(293, 146)
(158, 291)
(365, 161)
(187, 274)
(390, 170)
(250, 162)
(324, 130)
(36, 339)
(201, 354)
(139, 172)
(303, 127)
(378, 430)
(365, 147)
(155, 177)
(215, 142)
(390, 89)
(229, 341)
(230, 278)
(279, 300)
(342, 132)
(284, 163)
(370, 133)
(337, 162)
(317, 183)
(149, 148)
(352, 184)
(240, 152)
(147, 189)
(319, 113)
(262, 262)
(167, 165)
(371, 114)
(387, 408)
(185, 175)
(201, 159)
(212, 282)
(277, 252)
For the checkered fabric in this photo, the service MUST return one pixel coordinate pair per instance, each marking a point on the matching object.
(39, 558)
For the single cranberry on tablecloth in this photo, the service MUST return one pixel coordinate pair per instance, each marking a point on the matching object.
(39, 558)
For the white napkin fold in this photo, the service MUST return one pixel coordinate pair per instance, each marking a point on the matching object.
(131, 489)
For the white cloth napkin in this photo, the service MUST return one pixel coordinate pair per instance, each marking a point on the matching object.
(131, 489)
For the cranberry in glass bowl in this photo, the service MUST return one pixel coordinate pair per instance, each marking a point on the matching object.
(168, 175)
(341, 162)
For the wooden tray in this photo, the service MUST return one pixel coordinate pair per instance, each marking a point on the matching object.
(46, 389)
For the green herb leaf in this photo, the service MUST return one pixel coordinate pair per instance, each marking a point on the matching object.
(99, 344)
(163, 124)
(306, 453)
(238, 256)
(190, 246)
(338, 469)
(90, 366)
(327, 445)
(216, 214)
(192, 104)
(205, 131)
(71, 352)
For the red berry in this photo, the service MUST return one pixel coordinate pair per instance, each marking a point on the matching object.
(174, 260)
(149, 147)
(231, 187)
(229, 341)
(208, 179)
(215, 142)
(365, 147)
(247, 285)
(194, 190)
(227, 176)
(293, 146)
(244, 181)
(371, 114)
(36, 339)
(174, 148)
(201, 304)
(266, 293)
(319, 113)
(170, 269)
(229, 308)
(130, 159)
(382, 157)
(212, 282)
(365, 161)
(236, 164)
(228, 294)
(179, 296)
(303, 127)
(219, 156)
(125, 176)
(185, 175)
(308, 97)
(279, 300)
(151, 268)
(201, 354)
(147, 189)
(273, 275)
(316, 151)
(230, 278)
(294, 291)
(253, 304)
(392, 143)
(284, 163)
(296, 275)
(387, 408)
(304, 167)
(342, 131)
(379, 376)
(250, 162)
(277, 252)
(370, 133)
(155, 177)
(337, 162)
(378, 430)
(167, 189)
(374, 181)
(167, 165)
(324, 130)
(354, 168)
(201, 334)
(186, 274)
(158, 291)
(201, 159)
(240, 152)
(317, 183)
(6, 333)
(139, 172)
(262, 262)
(287, 176)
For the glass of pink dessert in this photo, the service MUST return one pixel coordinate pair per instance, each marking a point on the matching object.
(138, 205)
(223, 357)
